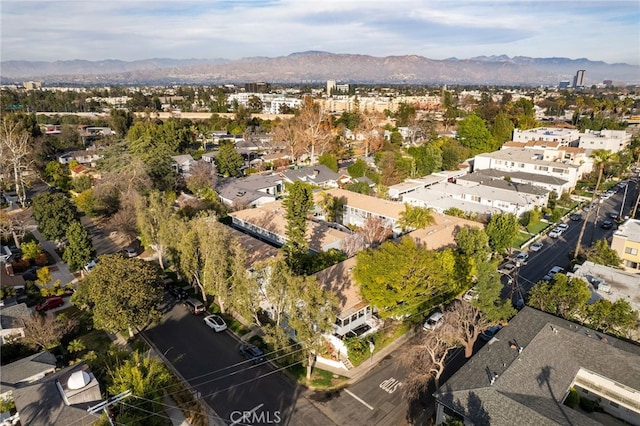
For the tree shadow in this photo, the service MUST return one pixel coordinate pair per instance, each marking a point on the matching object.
(544, 378)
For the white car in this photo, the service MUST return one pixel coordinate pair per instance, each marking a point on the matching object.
(522, 257)
(563, 226)
(555, 233)
(434, 321)
(216, 323)
(536, 247)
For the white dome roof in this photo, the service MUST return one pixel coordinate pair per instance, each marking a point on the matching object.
(78, 380)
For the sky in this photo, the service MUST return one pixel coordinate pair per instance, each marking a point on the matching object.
(142, 29)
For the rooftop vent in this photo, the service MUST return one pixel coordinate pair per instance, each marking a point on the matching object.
(78, 380)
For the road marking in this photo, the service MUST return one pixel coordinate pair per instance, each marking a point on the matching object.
(390, 385)
(358, 399)
(246, 414)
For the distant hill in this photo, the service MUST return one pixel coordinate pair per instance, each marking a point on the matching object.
(316, 66)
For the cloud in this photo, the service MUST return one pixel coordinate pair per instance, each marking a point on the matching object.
(139, 29)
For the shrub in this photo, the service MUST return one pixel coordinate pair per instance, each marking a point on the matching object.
(573, 399)
(42, 259)
(358, 349)
(587, 405)
(30, 250)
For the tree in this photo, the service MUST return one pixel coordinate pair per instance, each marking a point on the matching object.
(147, 378)
(453, 153)
(311, 316)
(502, 129)
(202, 178)
(402, 278)
(286, 132)
(415, 217)
(15, 156)
(331, 206)
(124, 292)
(562, 296)
(30, 250)
(153, 214)
(473, 134)
(467, 322)
(56, 174)
(502, 231)
(473, 247)
(298, 204)
(489, 289)
(602, 254)
(374, 231)
(81, 183)
(329, 160)
(228, 161)
(79, 250)
(601, 157)
(45, 331)
(53, 212)
(618, 317)
(313, 128)
(76, 346)
(427, 159)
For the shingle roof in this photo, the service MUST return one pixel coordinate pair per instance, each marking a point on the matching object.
(318, 174)
(530, 386)
(13, 316)
(25, 368)
(515, 175)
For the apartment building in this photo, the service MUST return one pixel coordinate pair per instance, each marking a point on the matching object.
(626, 242)
(610, 140)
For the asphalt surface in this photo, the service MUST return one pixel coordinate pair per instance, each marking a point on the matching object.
(212, 365)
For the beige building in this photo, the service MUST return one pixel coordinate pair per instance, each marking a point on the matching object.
(626, 242)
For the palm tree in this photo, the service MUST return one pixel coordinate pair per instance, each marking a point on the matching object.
(601, 157)
(415, 217)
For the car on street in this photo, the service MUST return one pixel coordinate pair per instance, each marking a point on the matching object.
(552, 273)
(536, 247)
(129, 252)
(215, 322)
(522, 257)
(490, 332)
(555, 232)
(470, 295)
(589, 207)
(252, 353)
(607, 224)
(563, 226)
(575, 217)
(89, 266)
(507, 268)
(615, 216)
(434, 321)
(195, 306)
(177, 292)
(50, 303)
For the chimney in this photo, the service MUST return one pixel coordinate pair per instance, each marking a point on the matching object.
(316, 172)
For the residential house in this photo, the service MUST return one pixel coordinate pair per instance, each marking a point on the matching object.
(12, 320)
(182, 163)
(319, 175)
(88, 157)
(267, 221)
(609, 283)
(479, 197)
(549, 183)
(61, 398)
(523, 376)
(626, 242)
(251, 191)
(536, 161)
(256, 250)
(564, 137)
(26, 370)
(555, 151)
(357, 208)
(442, 232)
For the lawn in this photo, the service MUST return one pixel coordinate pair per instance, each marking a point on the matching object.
(97, 341)
(537, 227)
(320, 379)
(522, 238)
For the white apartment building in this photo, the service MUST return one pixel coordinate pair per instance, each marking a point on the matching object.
(610, 140)
(565, 137)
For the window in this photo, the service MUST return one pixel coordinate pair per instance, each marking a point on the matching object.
(557, 170)
(631, 250)
(521, 165)
(475, 198)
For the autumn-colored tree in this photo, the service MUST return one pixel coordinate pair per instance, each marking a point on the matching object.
(313, 128)
(45, 331)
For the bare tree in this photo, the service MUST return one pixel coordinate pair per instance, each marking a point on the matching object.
(45, 331)
(467, 322)
(287, 133)
(313, 128)
(14, 224)
(15, 156)
(369, 128)
(375, 230)
(353, 243)
(202, 177)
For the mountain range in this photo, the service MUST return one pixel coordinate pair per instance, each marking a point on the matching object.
(317, 67)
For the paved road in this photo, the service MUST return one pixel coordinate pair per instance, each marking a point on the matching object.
(212, 364)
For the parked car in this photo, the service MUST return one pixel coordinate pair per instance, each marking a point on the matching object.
(177, 292)
(615, 216)
(607, 224)
(433, 322)
(575, 217)
(89, 266)
(216, 323)
(522, 257)
(552, 273)
(589, 207)
(507, 268)
(31, 274)
(129, 252)
(195, 306)
(536, 247)
(490, 332)
(555, 233)
(50, 303)
(252, 353)
(563, 226)
(470, 295)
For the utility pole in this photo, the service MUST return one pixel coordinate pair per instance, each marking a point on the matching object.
(104, 405)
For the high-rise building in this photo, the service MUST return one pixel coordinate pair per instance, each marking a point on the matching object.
(578, 80)
(331, 87)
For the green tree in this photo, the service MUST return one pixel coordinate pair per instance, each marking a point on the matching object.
(415, 217)
(79, 250)
(618, 317)
(146, 377)
(473, 246)
(489, 287)
(561, 296)
(331, 206)
(30, 250)
(502, 231)
(427, 159)
(76, 346)
(502, 129)
(453, 153)
(602, 254)
(86, 202)
(81, 183)
(228, 162)
(57, 175)
(53, 212)
(402, 278)
(298, 204)
(473, 134)
(358, 168)
(311, 316)
(329, 160)
(124, 292)
(120, 121)
(153, 216)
